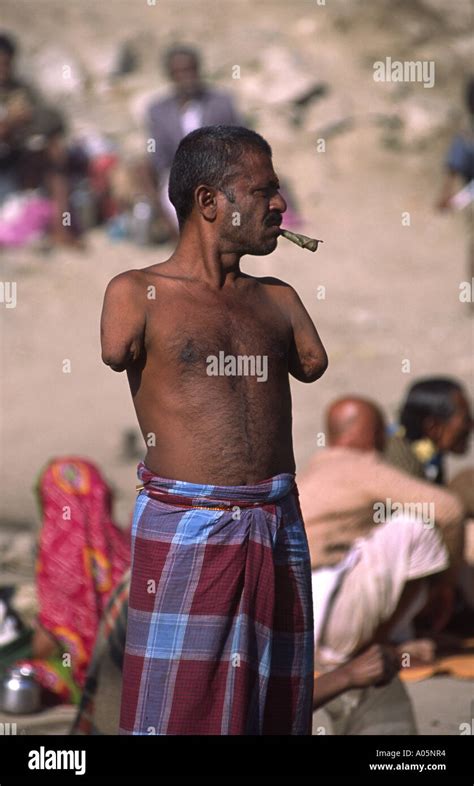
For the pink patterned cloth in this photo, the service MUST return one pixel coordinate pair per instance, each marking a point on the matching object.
(82, 557)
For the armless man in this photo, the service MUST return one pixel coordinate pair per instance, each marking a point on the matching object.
(219, 637)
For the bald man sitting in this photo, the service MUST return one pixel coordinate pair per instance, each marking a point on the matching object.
(375, 536)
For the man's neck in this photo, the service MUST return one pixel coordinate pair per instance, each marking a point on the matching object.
(198, 257)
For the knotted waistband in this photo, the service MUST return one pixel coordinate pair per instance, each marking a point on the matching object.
(184, 494)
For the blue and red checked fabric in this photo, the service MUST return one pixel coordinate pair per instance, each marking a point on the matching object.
(220, 621)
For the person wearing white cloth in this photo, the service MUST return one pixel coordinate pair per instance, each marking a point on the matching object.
(378, 538)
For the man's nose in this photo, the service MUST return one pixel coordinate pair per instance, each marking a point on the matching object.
(278, 203)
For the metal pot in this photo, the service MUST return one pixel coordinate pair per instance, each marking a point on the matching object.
(20, 694)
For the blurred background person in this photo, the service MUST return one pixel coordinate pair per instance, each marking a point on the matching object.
(459, 166)
(371, 575)
(82, 555)
(39, 170)
(190, 104)
(459, 162)
(435, 420)
(18, 102)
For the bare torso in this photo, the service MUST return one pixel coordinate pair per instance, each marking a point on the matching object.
(226, 430)
(208, 349)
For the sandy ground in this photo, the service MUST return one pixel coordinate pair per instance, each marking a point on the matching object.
(380, 292)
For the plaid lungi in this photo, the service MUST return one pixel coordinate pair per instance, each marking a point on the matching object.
(220, 621)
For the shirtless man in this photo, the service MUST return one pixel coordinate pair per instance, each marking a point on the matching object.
(219, 436)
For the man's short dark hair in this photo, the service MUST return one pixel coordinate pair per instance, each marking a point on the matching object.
(7, 44)
(209, 156)
(181, 49)
(432, 397)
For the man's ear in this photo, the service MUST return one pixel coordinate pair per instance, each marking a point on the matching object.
(206, 201)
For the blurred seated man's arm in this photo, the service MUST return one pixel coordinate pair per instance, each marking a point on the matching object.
(376, 665)
(387, 483)
(462, 485)
(123, 320)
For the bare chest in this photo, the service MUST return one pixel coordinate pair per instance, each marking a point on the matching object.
(250, 339)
